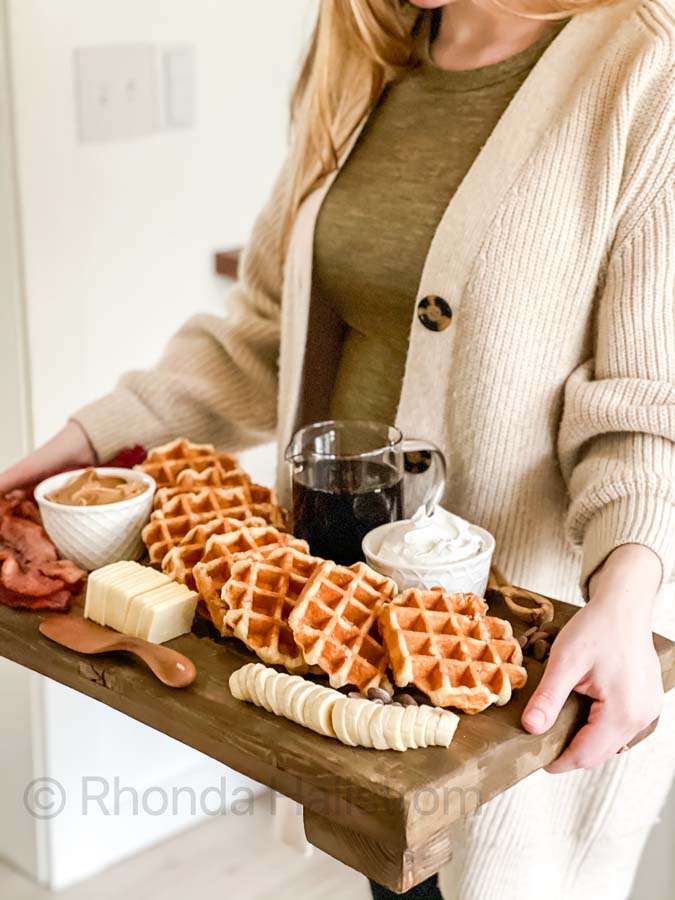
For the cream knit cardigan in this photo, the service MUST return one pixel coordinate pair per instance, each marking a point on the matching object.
(553, 391)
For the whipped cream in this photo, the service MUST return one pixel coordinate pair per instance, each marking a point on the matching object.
(439, 539)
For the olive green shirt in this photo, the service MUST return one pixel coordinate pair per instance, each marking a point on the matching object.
(379, 216)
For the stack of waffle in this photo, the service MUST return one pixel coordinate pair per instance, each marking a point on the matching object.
(202, 494)
(218, 533)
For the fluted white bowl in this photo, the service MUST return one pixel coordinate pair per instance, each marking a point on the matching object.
(466, 576)
(94, 536)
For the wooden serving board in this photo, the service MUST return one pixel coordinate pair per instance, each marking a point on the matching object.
(392, 816)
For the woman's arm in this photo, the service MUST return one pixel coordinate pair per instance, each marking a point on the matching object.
(216, 381)
(70, 447)
(617, 453)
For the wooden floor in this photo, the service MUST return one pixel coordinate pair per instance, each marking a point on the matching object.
(225, 857)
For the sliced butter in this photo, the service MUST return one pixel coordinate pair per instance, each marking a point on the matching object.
(94, 603)
(121, 591)
(169, 619)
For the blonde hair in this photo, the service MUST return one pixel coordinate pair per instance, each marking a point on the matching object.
(358, 47)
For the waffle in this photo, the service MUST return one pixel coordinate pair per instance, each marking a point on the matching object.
(448, 647)
(180, 561)
(190, 481)
(165, 463)
(168, 526)
(335, 624)
(215, 567)
(259, 596)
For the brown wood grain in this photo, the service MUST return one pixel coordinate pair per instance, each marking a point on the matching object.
(402, 806)
(226, 262)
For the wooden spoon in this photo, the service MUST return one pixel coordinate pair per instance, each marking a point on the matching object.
(84, 636)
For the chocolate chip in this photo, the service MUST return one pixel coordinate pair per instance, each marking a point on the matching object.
(376, 693)
(540, 649)
(407, 700)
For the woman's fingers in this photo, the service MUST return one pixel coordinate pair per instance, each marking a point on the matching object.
(70, 447)
(599, 740)
(560, 677)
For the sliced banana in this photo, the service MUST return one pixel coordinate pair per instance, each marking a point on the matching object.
(420, 727)
(298, 701)
(273, 691)
(346, 715)
(355, 722)
(289, 686)
(445, 729)
(364, 731)
(238, 685)
(377, 727)
(392, 720)
(408, 726)
(262, 675)
(318, 710)
(251, 672)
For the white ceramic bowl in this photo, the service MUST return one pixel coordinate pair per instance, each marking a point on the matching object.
(467, 576)
(94, 536)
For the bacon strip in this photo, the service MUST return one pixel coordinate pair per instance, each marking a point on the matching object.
(31, 575)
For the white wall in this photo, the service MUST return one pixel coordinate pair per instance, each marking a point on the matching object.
(18, 836)
(118, 236)
(118, 241)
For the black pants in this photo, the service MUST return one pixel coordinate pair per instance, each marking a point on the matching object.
(426, 890)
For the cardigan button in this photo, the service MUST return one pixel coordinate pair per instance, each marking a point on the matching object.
(434, 313)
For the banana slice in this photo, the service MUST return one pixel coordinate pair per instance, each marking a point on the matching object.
(251, 672)
(445, 729)
(346, 713)
(294, 688)
(273, 691)
(377, 721)
(238, 685)
(408, 726)
(420, 730)
(261, 677)
(318, 711)
(298, 701)
(392, 719)
(363, 729)
(290, 686)
(431, 725)
(342, 724)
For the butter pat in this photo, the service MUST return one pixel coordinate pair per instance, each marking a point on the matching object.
(122, 591)
(139, 601)
(169, 618)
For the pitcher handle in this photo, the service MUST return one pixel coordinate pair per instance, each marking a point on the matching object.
(418, 457)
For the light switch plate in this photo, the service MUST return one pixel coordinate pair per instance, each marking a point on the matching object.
(180, 86)
(117, 91)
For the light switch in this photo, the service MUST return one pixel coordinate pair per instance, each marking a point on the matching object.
(179, 86)
(117, 91)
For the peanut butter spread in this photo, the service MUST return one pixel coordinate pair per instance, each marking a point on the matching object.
(92, 489)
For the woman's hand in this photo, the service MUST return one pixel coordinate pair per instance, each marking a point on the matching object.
(70, 447)
(606, 652)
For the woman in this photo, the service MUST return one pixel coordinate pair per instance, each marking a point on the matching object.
(473, 236)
